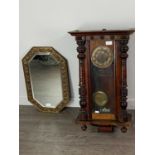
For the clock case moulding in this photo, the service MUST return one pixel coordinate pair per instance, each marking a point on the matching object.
(120, 118)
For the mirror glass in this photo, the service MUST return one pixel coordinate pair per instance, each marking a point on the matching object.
(46, 80)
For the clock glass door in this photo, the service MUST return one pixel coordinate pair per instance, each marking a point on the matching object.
(102, 70)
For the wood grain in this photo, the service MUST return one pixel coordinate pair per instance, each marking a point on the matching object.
(57, 134)
(92, 79)
(103, 116)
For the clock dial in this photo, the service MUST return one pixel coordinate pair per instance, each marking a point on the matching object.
(100, 98)
(102, 57)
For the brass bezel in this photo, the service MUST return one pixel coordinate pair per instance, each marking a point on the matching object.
(103, 94)
(107, 63)
(64, 78)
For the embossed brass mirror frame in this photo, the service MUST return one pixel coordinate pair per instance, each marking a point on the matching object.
(64, 78)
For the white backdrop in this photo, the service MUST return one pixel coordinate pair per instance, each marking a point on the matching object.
(46, 23)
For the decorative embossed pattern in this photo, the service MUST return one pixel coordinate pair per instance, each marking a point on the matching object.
(102, 57)
(64, 77)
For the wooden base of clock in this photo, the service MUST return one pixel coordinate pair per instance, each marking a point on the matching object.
(105, 129)
(104, 125)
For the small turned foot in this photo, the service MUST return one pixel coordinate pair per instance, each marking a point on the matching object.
(124, 129)
(84, 127)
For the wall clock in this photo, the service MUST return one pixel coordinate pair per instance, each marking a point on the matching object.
(102, 78)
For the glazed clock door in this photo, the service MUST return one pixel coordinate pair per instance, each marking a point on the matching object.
(102, 71)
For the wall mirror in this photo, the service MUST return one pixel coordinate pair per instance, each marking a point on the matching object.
(46, 77)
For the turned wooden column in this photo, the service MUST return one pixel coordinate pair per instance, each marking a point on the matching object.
(124, 116)
(82, 85)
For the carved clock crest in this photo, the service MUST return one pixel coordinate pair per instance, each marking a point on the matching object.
(103, 79)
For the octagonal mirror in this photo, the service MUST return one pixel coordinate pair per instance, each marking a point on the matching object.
(46, 77)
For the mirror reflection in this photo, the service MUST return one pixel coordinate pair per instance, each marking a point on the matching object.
(46, 80)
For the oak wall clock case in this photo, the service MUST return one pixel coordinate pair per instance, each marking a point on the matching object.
(103, 78)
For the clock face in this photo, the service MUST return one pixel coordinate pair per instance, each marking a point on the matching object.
(100, 98)
(102, 57)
